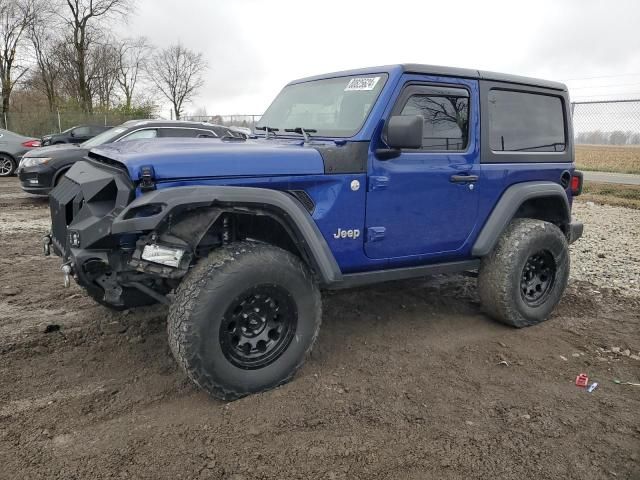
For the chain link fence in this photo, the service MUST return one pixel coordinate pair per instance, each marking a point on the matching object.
(242, 120)
(615, 122)
(36, 124)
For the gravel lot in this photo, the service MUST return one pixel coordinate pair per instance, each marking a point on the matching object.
(608, 254)
(408, 380)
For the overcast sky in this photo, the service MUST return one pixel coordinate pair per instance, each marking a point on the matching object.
(254, 47)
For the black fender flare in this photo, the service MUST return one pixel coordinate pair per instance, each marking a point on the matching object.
(509, 203)
(285, 208)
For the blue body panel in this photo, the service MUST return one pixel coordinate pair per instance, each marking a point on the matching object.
(336, 206)
(407, 206)
(195, 158)
(425, 215)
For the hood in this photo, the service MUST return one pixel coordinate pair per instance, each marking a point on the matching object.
(53, 151)
(173, 158)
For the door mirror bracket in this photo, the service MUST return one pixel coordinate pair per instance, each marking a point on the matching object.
(387, 153)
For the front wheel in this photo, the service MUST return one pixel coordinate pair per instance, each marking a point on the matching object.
(521, 281)
(244, 319)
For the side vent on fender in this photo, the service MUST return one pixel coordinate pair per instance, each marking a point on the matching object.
(304, 198)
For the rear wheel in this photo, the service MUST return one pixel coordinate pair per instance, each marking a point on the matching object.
(244, 319)
(522, 280)
(7, 166)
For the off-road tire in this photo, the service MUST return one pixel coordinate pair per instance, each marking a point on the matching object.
(208, 291)
(500, 275)
(10, 162)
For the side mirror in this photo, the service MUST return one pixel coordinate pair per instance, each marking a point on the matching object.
(405, 131)
(72, 133)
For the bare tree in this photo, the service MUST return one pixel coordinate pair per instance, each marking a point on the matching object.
(15, 18)
(46, 52)
(177, 73)
(68, 78)
(82, 18)
(103, 72)
(133, 58)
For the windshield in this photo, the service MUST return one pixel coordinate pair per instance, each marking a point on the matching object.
(334, 107)
(105, 137)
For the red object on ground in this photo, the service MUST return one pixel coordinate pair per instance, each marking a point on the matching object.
(582, 380)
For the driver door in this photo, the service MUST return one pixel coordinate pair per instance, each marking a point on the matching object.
(423, 203)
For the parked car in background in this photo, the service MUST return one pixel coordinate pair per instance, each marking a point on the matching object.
(77, 134)
(41, 170)
(12, 147)
(246, 131)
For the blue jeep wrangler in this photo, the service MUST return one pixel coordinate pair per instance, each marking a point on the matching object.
(352, 178)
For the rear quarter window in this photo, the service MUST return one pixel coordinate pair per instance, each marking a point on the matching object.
(525, 122)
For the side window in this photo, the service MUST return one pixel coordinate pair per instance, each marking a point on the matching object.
(180, 132)
(221, 131)
(140, 134)
(446, 118)
(81, 131)
(525, 122)
(205, 134)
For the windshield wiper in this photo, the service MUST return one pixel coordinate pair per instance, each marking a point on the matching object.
(267, 130)
(302, 131)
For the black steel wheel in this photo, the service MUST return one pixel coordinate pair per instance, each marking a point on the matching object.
(258, 326)
(522, 280)
(538, 276)
(244, 319)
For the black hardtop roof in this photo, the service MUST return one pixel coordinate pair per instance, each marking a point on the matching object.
(445, 72)
(481, 75)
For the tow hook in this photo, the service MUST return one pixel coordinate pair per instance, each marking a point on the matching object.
(46, 245)
(67, 270)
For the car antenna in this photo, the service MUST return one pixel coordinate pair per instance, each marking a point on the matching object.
(302, 131)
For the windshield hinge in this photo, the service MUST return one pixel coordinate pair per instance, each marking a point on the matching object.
(147, 178)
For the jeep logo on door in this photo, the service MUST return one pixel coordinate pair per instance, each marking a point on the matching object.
(355, 233)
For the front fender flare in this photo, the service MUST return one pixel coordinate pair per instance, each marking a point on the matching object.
(173, 201)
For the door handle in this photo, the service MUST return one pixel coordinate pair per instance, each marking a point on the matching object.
(464, 178)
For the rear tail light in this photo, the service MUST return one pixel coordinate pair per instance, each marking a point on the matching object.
(576, 183)
(31, 143)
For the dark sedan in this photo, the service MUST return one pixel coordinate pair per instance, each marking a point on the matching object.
(12, 147)
(41, 170)
(77, 134)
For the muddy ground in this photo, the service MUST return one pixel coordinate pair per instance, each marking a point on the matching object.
(407, 381)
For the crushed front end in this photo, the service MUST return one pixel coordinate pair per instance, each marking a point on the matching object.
(123, 270)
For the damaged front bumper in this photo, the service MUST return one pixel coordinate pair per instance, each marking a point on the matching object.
(113, 267)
